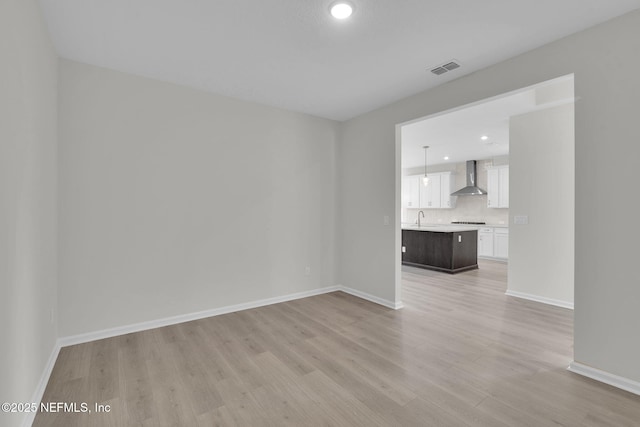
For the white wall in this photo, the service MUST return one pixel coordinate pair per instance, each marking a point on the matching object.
(541, 179)
(606, 66)
(27, 201)
(174, 201)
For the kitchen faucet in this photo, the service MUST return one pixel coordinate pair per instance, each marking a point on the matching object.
(419, 217)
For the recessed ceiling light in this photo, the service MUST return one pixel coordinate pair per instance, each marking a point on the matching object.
(446, 157)
(484, 137)
(341, 10)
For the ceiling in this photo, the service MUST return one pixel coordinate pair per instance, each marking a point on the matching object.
(292, 54)
(458, 134)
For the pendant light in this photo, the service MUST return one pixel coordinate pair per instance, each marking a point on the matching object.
(425, 179)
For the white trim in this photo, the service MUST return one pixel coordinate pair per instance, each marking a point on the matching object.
(605, 377)
(158, 323)
(397, 224)
(390, 304)
(490, 258)
(536, 298)
(42, 384)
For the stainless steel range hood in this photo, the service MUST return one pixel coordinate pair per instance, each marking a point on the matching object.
(471, 189)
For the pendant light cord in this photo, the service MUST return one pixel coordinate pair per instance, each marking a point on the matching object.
(425, 159)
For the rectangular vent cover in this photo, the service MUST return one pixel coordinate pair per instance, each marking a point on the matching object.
(451, 66)
(444, 68)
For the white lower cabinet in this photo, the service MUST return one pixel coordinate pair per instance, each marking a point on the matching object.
(501, 243)
(485, 242)
(493, 242)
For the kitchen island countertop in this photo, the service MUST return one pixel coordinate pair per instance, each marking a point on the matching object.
(437, 228)
(413, 226)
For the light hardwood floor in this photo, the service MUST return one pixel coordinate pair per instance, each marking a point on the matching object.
(460, 353)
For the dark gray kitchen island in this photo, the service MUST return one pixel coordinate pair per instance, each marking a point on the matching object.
(447, 249)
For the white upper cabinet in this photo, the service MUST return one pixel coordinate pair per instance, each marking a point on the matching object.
(415, 195)
(493, 188)
(498, 187)
(438, 193)
(446, 186)
(411, 191)
(430, 194)
(504, 187)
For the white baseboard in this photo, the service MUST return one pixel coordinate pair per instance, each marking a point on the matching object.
(490, 258)
(152, 324)
(42, 384)
(544, 300)
(390, 304)
(605, 377)
(158, 323)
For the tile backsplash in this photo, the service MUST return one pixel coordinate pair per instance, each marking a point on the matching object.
(468, 208)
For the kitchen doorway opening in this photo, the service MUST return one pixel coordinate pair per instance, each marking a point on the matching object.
(522, 144)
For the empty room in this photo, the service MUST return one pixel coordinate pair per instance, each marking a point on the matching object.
(336, 213)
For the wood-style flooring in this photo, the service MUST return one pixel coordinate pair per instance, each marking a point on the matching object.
(460, 353)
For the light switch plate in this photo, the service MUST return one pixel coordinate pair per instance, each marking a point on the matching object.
(521, 219)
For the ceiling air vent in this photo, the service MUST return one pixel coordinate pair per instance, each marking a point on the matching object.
(451, 66)
(441, 69)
